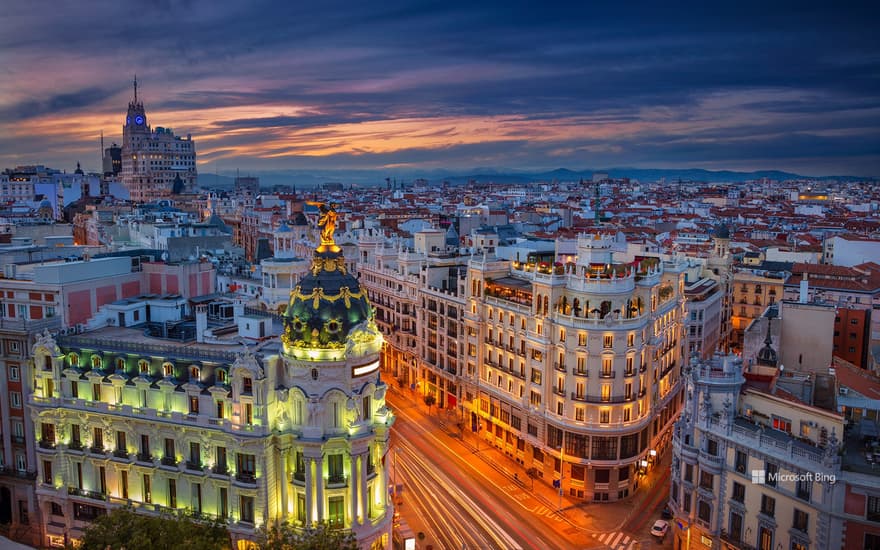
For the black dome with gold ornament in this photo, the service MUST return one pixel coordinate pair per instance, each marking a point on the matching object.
(328, 302)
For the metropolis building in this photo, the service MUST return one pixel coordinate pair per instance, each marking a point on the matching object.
(294, 430)
(155, 163)
(570, 367)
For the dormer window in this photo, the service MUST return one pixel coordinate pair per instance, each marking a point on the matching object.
(167, 369)
(73, 359)
(221, 376)
(120, 364)
(247, 385)
(96, 361)
(144, 367)
(194, 374)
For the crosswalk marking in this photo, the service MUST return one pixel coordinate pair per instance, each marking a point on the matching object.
(617, 540)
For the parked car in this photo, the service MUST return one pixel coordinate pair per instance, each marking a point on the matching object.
(659, 528)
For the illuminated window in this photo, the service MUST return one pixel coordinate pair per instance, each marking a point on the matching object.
(606, 392)
(631, 339)
(74, 360)
(608, 341)
(144, 366)
(194, 373)
(120, 364)
(96, 361)
(167, 369)
(604, 416)
(221, 376)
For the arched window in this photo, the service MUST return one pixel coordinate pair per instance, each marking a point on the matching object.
(221, 376)
(144, 366)
(120, 364)
(74, 360)
(167, 369)
(194, 374)
(96, 361)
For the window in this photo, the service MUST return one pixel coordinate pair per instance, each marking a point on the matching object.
(604, 416)
(735, 528)
(123, 483)
(172, 493)
(872, 542)
(560, 408)
(335, 472)
(195, 454)
(336, 512)
(194, 374)
(803, 488)
(224, 502)
(688, 472)
(608, 341)
(120, 442)
(249, 413)
(627, 413)
(75, 439)
(47, 472)
(148, 491)
(579, 414)
(801, 520)
(169, 449)
(742, 461)
(247, 509)
(782, 424)
(14, 373)
(707, 480)
(15, 399)
(143, 366)
(772, 471)
(220, 460)
(247, 385)
(47, 433)
(57, 510)
(582, 338)
(768, 505)
(246, 466)
(167, 370)
(704, 511)
(739, 492)
(193, 404)
(873, 513)
(98, 439)
(686, 502)
(220, 409)
(221, 376)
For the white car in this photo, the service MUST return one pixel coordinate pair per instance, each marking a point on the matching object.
(659, 528)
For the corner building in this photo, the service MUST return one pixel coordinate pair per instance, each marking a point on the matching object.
(572, 369)
(293, 431)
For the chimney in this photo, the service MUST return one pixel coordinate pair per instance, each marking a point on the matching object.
(805, 290)
(201, 322)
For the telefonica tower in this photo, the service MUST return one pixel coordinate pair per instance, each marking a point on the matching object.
(156, 164)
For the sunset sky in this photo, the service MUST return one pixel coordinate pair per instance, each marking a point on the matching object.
(422, 86)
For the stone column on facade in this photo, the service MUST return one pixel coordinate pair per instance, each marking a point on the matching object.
(284, 481)
(319, 481)
(310, 479)
(353, 488)
(362, 473)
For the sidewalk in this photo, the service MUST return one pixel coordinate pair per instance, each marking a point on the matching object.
(586, 516)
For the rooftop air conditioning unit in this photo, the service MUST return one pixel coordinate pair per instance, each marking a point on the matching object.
(844, 391)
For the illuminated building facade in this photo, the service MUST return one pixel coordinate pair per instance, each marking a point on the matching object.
(572, 369)
(753, 466)
(293, 430)
(155, 162)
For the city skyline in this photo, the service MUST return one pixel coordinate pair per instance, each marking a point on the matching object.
(423, 87)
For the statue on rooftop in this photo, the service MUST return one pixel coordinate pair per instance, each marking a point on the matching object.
(327, 222)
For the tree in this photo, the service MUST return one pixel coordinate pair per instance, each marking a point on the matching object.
(320, 536)
(430, 400)
(125, 529)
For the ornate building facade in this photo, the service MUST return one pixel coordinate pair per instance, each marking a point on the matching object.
(293, 430)
(572, 369)
(155, 163)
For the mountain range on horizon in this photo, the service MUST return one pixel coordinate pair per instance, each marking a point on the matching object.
(314, 178)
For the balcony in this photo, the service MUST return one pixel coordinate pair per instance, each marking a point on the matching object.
(220, 469)
(75, 446)
(559, 391)
(246, 477)
(95, 495)
(299, 476)
(607, 374)
(47, 444)
(194, 466)
(97, 450)
(169, 461)
(145, 457)
(120, 453)
(559, 366)
(578, 396)
(336, 480)
(580, 372)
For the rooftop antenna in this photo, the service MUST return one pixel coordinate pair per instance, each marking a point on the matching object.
(135, 88)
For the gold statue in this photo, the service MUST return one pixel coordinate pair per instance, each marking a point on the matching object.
(327, 223)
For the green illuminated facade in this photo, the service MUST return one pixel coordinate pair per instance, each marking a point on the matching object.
(293, 430)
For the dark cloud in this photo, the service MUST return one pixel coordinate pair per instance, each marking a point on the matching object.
(800, 81)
